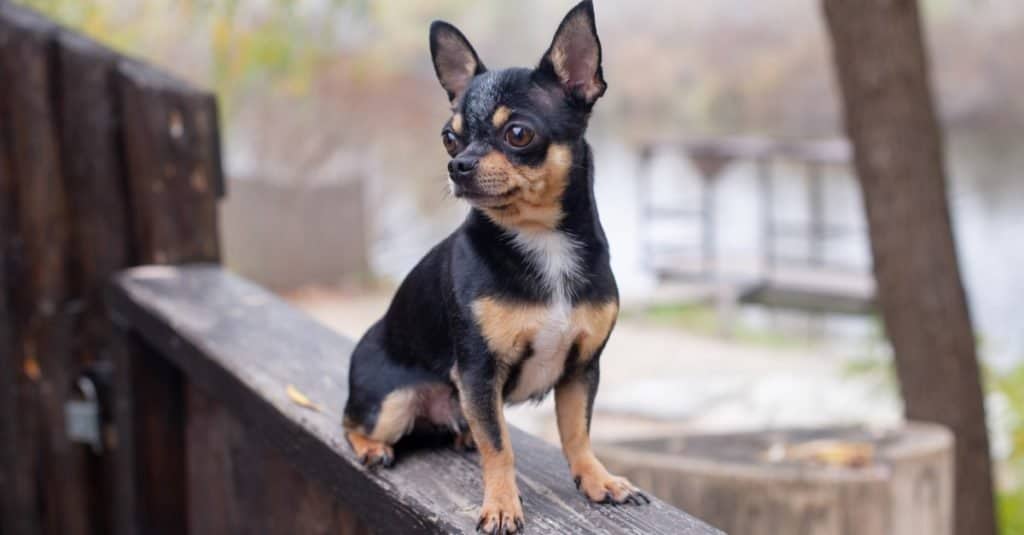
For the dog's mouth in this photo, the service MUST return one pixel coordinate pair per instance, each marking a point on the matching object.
(487, 200)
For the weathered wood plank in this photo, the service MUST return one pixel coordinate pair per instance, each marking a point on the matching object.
(238, 485)
(94, 179)
(100, 233)
(243, 347)
(9, 517)
(159, 444)
(172, 155)
(172, 167)
(53, 469)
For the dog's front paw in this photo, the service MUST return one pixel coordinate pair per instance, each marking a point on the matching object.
(601, 487)
(501, 514)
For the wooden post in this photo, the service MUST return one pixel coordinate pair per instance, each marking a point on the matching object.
(643, 187)
(764, 174)
(816, 214)
(11, 520)
(100, 237)
(50, 471)
(172, 153)
(171, 150)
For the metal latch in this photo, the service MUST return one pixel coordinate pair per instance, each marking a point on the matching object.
(82, 416)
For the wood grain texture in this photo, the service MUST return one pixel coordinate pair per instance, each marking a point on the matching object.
(890, 116)
(8, 367)
(169, 139)
(243, 347)
(172, 156)
(50, 485)
(94, 180)
(99, 224)
(238, 485)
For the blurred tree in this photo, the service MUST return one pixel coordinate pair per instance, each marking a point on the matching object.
(883, 73)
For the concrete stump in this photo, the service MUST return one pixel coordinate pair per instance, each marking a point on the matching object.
(835, 481)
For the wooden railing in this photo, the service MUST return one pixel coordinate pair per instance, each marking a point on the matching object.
(242, 349)
(105, 164)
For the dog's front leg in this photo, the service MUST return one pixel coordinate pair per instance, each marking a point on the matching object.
(574, 404)
(480, 384)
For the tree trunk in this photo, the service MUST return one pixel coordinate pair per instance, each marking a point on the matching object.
(882, 68)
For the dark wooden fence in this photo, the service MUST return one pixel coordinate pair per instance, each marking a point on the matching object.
(106, 163)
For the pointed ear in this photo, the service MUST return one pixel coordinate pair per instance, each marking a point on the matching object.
(455, 61)
(574, 58)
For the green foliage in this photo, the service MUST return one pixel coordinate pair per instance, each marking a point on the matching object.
(230, 45)
(701, 318)
(1010, 386)
(1010, 505)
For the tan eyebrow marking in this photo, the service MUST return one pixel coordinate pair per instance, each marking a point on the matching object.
(457, 123)
(500, 116)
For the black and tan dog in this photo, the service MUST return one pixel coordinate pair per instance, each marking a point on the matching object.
(520, 299)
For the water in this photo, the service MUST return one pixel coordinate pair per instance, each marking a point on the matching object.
(986, 196)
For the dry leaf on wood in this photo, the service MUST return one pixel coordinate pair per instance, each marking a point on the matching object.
(301, 400)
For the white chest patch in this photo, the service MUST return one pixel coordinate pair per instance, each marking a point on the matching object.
(554, 256)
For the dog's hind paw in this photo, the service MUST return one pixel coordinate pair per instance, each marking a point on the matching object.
(371, 453)
(464, 442)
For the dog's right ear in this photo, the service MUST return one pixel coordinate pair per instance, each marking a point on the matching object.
(455, 61)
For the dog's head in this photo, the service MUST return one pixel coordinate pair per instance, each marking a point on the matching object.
(512, 132)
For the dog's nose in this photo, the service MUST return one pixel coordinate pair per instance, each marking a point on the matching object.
(462, 168)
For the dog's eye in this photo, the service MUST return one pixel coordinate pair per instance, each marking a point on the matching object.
(518, 136)
(451, 142)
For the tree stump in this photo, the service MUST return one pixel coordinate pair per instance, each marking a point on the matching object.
(835, 481)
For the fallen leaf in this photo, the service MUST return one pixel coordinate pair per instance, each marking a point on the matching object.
(301, 400)
(834, 453)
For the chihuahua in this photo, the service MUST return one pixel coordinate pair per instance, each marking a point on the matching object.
(520, 299)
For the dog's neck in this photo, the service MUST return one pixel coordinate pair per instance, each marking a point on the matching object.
(559, 256)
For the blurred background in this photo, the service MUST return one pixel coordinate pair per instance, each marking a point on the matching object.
(723, 180)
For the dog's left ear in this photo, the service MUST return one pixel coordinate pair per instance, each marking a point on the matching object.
(574, 58)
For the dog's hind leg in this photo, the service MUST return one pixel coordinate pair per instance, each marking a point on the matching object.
(383, 402)
(394, 419)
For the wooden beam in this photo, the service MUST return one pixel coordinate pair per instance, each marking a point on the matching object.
(171, 148)
(100, 244)
(243, 347)
(50, 470)
(10, 518)
(239, 485)
(169, 134)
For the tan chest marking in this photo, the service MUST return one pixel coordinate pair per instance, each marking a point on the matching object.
(551, 330)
